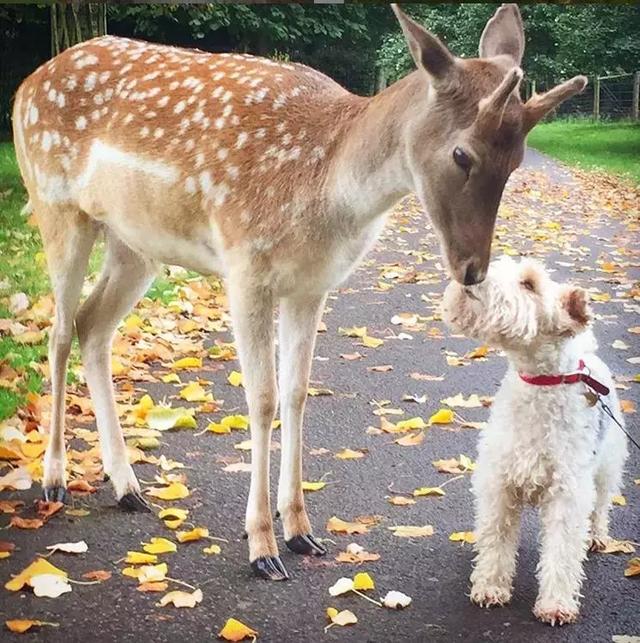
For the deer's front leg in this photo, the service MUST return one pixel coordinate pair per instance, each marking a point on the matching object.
(298, 325)
(252, 316)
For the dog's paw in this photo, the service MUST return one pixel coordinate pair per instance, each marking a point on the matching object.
(556, 612)
(486, 595)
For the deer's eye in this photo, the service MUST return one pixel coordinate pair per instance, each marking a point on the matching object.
(462, 159)
(528, 285)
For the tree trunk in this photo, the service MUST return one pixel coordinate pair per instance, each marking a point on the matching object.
(74, 22)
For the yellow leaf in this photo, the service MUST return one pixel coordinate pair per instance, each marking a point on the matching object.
(38, 567)
(463, 537)
(633, 567)
(355, 331)
(343, 618)
(429, 491)
(626, 406)
(621, 501)
(20, 626)
(371, 342)
(459, 401)
(186, 363)
(193, 392)
(159, 546)
(8, 453)
(411, 440)
(195, 534)
(235, 378)
(163, 418)
(181, 599)
(132, 322)
(236, 422)
(410, 531)
(349, 454)
(147, 573)
(363, 581)
(338, 525)
(443, 416)
(117, 367)
(33, 449)
(235, 630)
(4, 554)
(218, 427)
(173, 516)
(401, 501)
(174, 491)
(411, 423)
(212, 549)
(313, 486)
(601, 297)
(138, 558)
(481, 351)
(171, 378)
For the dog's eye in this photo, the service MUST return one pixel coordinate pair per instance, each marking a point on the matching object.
(528, 284)
(462, 159)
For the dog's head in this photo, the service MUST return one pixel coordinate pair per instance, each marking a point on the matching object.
(518, 305)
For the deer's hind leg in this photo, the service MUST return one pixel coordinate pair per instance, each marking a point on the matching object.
(68, 237)
(125, 277)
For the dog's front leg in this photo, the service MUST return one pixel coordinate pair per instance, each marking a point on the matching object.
(564, 517)
(497, 526)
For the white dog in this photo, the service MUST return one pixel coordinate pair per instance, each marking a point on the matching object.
(548, 442)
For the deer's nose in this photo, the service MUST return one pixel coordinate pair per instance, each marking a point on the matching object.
(473, 275)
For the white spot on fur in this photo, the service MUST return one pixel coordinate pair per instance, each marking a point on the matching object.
(90, 81)
(46, 141)
(241, 140)
(81, 123)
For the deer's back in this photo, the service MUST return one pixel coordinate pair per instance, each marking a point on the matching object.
(115, 124)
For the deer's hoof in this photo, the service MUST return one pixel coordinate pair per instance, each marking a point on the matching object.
(54, 494)
(133, 501)
(307, 545)
(269, 568)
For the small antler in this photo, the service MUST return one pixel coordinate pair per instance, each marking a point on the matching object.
(541, 104)
(491, 109)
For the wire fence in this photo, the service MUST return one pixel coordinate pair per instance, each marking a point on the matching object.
(608, 97)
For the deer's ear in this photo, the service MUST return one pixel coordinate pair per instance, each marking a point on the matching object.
(427, 50)
(503, 34)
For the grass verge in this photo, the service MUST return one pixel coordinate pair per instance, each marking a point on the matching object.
(610, 146)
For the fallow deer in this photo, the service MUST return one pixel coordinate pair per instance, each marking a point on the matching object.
(270, 174)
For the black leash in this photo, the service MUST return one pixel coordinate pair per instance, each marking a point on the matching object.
(608, 411)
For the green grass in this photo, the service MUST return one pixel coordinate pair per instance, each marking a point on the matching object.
(610, 146)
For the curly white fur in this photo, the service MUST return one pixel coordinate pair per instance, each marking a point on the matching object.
(545, 445)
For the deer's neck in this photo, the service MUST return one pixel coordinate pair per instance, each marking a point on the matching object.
(369, 171)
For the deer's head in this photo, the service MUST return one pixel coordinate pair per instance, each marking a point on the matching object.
(466, 133)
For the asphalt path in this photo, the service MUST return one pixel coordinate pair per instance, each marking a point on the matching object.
(434, 571)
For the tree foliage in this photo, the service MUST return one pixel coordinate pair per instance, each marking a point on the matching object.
(560, 40)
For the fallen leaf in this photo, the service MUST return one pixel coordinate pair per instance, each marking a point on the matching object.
(140, 558)
(49, 585)
(400, 501)
(81, 487)
(410, 531)
(174, 491)
(147, 573)
(621, 501)
(153, 586)
(628, 406)
(363, 581)
(355, 554)
(212, 549)
(235, 378)
(197, 533)
(614, 546)
(20, 626)
(341, 586)
(429, 491)
(163, 418)
(193, 392)
(26, 523)
(411, 440)
(80, 547)
(473, 401)
(350, 454)
(443, 416)
(98, 574)
(396, 600)
(173, 517)
(159, 546)
(181, 599)
(187, 363)
(313, 486)
(463, 537)
(340, 526)
(342, 618)
(633, 567)
(235, 630)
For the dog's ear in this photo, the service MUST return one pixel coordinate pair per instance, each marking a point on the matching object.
(575, 313)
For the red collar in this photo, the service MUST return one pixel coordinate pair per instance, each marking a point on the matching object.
(568, 378)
